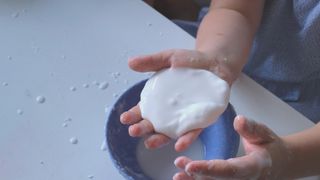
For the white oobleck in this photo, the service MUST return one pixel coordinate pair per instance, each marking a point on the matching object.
(178, 100)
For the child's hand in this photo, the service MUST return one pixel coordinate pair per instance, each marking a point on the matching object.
(171, 58)
(266, 155)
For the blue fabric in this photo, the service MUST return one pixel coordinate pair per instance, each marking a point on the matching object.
(287, 45)
(285, 57)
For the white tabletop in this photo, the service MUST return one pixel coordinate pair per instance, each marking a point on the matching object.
(52, 49)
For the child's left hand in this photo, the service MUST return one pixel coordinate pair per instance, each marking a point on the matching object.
(266, 155)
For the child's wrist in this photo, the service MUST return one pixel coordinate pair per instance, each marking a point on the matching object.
(221, 65)
(287, 159)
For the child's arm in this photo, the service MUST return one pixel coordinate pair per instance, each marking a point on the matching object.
(304, 159)
(227, 31)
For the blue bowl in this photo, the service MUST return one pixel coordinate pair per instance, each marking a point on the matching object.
(220, 140)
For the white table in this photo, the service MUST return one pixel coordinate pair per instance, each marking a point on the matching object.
(52, 48)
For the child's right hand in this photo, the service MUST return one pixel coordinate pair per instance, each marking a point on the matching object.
(140, 127)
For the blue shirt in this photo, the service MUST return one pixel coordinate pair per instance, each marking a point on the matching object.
(287, 44)
(285, 57)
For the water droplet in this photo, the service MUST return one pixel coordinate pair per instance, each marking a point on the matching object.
(125, 81)
(149, 24)
(36, 49)
(115, 95)
(115, 75)
(69, 119)
(106, 109)
(173, 101)
(10, 57)
(95, 83)
(28, 93)
(160, 33)
(73, 140)
(40, 99)
(65, 125)
(42, 162)
(90, 176)
(63, 56)
(72, 88)
(103, 146)
(85, 85)
(15, 15)
(103, 85)
(19, 111)
(5, 84)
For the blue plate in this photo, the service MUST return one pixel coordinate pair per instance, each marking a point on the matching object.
(220, 140)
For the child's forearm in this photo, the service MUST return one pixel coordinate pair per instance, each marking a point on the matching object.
(227, 31)
(304, 156)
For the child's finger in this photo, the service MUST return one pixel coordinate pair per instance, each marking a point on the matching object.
(131, 116)
(213, 168)
(186, 140)
(252, 131)
(181, 162)
(181, 176)
(153, 62)
(141, 128)
(156, 141)
(244, 167)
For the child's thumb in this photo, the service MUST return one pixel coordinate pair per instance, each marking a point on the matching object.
(252, 131)
(152, 62)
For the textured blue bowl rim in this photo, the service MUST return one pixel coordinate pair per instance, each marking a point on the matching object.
(213, 137)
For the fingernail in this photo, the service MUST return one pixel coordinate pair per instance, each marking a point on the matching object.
(176, 161)
(136, 57)
(122, 118)
(132, 58)
(190, 170)
(250, 125)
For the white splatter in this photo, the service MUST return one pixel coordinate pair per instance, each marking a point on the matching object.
(73, 140)
(72, 88)
(103, 146)
(41, 99)
(69, 119)
(103, 85)
(115, 95)
(15, 15)
(95, 83)
(19, 111)
(85, 85)
(90, 176)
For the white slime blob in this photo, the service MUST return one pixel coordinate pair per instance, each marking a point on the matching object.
(178, 100)
(19, 111)
(73, 140)
(72, 88)
(103, 146)
(40, 99)
(103, 85)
